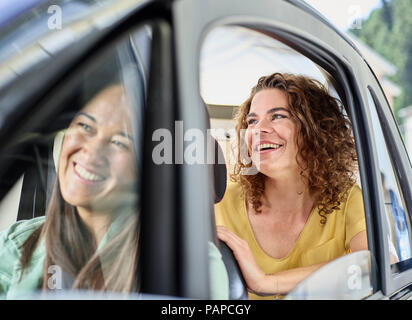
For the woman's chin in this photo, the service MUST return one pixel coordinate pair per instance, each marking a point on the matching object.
(271, 170)
(265, 168)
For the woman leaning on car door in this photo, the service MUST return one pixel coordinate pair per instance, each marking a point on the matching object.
(302, 207)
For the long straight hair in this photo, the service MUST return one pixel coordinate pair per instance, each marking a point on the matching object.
(72, 247)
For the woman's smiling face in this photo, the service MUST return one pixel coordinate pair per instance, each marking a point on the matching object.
(96, 165)
(271, 133)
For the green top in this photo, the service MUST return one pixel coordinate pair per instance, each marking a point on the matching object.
(12, 239)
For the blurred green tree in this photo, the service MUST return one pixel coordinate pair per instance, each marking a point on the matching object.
(388, 30)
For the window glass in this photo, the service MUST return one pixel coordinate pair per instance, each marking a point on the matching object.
(74, 179)
(398, 224)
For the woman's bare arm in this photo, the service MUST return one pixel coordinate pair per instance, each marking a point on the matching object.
(281, 282)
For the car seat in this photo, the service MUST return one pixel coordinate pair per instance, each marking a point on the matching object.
(237, 285)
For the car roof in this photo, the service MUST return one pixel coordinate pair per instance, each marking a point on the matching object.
(10, 10)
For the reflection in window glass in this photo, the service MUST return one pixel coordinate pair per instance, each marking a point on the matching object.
(397, 217)
(78, 203)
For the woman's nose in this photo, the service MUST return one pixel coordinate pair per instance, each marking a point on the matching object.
(96, 151)
(263, 125)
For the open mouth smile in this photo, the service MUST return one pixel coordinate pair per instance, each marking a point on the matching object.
(266, 147)
(87, 175)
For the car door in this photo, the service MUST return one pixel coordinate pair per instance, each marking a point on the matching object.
(302, 29)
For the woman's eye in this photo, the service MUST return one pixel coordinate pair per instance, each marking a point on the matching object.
(277, 116)
(251, 122)
(121, 145)
(84, 126)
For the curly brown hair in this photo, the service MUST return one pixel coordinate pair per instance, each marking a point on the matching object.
(326, 149)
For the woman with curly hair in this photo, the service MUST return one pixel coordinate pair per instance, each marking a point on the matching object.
(302, 207)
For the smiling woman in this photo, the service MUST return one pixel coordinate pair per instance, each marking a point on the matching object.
(96, 167)
(313, 138)
(302, 208)
(89, 236)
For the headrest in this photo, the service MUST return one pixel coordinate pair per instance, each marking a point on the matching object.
(219, 171)
(57, 146)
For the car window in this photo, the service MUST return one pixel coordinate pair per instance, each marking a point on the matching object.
(81, 163)
(397, 218)
(232, 59)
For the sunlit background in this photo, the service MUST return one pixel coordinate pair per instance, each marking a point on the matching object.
(343, 13)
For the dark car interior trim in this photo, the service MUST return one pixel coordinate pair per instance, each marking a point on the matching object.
(160, 232)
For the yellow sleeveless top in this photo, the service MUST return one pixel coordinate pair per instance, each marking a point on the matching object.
(316, 243)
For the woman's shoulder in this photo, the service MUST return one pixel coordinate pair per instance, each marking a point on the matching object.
(228, 210)
(354, 194)
(232, 197)
(355, 189)
(18, 232)
(11, 241)
(233, 191)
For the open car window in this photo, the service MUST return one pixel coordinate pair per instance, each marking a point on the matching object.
(232, 59)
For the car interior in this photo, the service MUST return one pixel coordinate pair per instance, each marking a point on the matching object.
(32, 175)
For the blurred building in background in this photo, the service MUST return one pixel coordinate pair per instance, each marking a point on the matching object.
(383, 70)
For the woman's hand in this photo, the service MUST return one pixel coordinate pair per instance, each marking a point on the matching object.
(256, 279)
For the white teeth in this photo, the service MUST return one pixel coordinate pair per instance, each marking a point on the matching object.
(87, 175)
(268, 145)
